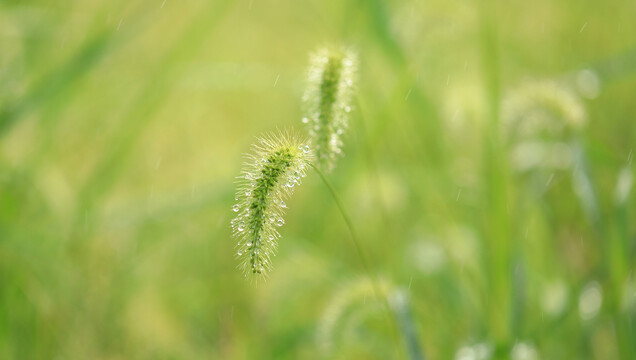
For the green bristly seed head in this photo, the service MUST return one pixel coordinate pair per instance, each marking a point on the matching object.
(327, 102)
(275, 167)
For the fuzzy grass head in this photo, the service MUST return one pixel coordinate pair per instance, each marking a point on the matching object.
(272, 171)
(327, 101)
(540, 118)
(542, 108)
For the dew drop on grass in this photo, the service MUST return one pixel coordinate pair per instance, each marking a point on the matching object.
(280, 222)
(240, 253)
(241, 226)
(282, 204)
(236, 208)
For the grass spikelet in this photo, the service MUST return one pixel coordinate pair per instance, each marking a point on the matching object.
(327, 101)
(273, 169)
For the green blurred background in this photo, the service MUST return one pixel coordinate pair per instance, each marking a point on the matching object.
(123, 126)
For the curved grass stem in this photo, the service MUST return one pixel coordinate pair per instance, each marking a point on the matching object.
(363, 259)
(347, 220)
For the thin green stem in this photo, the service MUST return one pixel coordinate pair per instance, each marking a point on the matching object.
(347, 219)
(365, 263)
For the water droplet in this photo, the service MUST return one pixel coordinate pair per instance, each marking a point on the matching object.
(236, 208)
(257, 251)
(280, 222)
(248, 193)
(305, 120)
(241, 226)
(271, 238)
(282, 204)
(240, 253)
(249, 244)
(306, 149)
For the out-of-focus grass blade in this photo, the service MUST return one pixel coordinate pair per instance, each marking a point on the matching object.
(148, 103)
(401, 309)
(59, 80)
(617, 68)
(170, 206)
(427, 120)
(53, 86)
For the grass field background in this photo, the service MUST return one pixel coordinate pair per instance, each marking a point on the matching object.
(124, 124)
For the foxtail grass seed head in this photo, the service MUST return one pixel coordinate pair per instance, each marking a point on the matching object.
(327, 101)
(539, 118)
(274, 168)
(542, 108)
